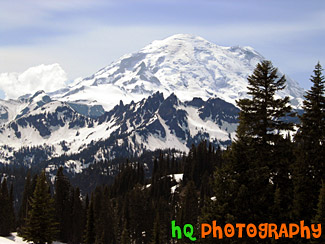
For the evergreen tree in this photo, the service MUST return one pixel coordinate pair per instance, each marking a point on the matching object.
(189, 206)
(77, 218)
(12, 216)
(282, 163)
(157, 238)
(138, 208)
(125, 238)
(63, 208)
(105, 223)
(244, 186)
(40, 224)
(309, 169)
(63, 205)
(312, 127)
(6, 210)
(261, 116)
(260, 123)
(90, 234)
(24, 202)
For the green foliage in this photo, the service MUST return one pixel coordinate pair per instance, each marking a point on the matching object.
(90, 234)
(63, 205)
(260, 116)
(40, 224)
(77, 224)
(157, 238)
(28, 192)
(247, 188)
(189, 210)
(7, 217)
(309, 169)
(312, 127)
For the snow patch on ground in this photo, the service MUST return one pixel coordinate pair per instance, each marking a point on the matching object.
(18, 240)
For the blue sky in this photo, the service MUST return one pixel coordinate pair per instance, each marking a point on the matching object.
(86, 35)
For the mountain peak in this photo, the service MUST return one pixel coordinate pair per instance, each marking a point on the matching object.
(184, 37)
(184, 64)
(178, 42)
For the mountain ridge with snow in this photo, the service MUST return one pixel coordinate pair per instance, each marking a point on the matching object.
(186, 65)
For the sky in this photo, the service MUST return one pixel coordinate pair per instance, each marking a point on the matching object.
(75, 38)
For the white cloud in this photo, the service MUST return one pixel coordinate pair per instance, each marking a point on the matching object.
(43, 77)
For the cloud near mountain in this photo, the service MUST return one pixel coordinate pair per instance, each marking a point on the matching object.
(43, 77)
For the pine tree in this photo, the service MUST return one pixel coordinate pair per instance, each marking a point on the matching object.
(125, 238)
(11, 214)
(242, 185)
(309, 169)
(157, 238)
(261, 116)
(90, 234)
(24, 202)
(312, 127)
(138, 206)
(40, 223)
(260, 123)
(77, 218)
(6, 210)
(63, 205)
(189, 206)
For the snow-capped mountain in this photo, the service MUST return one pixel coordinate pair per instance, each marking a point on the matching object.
(14, 109)
(128, 129)
(186, 65)
(170, 94)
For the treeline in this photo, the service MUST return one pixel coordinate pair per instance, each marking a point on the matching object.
(132, 209)
(272, 173)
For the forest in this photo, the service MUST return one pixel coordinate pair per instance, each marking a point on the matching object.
(272, 173)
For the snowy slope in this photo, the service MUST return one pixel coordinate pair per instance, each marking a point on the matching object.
(152, 123)
(4, 240)
(12, 109)
(186, 65)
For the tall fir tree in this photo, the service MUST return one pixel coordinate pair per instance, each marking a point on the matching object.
(12, 215)
(309, 169)
(125, 236)
(243, 186)
(261, 116)
(189, 211)
(77, 218)
(40, 224)
(261, 121)
(312, 127)
(90, 232)
(156, 237)
(63, 205)
(28, 192)
(6, 210)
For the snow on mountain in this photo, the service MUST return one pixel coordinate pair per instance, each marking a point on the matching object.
(171, 94)
(128, 129)
(12, 109)
(186, 65)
